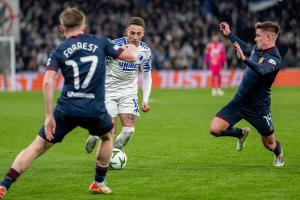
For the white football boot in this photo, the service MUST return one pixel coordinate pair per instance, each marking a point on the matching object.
(91, 142)
(241, 141)
(278, 160)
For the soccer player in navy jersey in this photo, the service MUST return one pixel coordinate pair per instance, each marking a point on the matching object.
(81, 59)
(252, 100)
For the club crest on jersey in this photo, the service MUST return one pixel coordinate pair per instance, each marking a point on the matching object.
(141, 57)
(261, 60)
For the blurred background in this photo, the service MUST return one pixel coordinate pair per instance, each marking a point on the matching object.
(177, 31)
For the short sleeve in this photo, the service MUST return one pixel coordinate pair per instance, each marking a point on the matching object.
(110, 48)
(53, 63)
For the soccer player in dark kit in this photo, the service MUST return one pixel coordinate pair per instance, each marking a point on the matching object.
(252, 100)
(81, 59)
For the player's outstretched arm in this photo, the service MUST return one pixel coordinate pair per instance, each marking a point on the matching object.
(48, 91)
(225, 29)
(129, 53)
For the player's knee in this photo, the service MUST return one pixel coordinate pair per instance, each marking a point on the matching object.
(269, 145)
(214, 130)
(36, 149)
(107, 136)
(128, 131)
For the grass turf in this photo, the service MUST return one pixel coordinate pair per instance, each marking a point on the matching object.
(171, 155)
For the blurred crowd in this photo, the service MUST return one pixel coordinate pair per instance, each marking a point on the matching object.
(176, 30)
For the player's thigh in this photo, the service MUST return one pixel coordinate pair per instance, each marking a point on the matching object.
(64, 125)
(261, 121)
(39, 145)
(129, 104)
(230, 113)
(111, 105)
(127, 119)
(218, 125)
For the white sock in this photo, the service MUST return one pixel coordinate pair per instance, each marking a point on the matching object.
(124, 137)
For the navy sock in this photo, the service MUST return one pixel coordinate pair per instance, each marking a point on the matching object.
(11, 177)
(277, 150)
(100, 173)
(233, 132)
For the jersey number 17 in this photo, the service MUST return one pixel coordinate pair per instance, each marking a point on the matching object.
(93, 60)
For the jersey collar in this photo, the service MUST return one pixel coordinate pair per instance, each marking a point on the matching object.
(266, 50)
(127, 42)
(76, 36)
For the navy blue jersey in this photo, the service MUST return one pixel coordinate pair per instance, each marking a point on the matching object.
(263, 66)
(81, 60)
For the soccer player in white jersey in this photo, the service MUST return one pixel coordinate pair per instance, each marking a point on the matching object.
(121, 86)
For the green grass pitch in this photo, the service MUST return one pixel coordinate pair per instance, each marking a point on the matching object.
(171, 155)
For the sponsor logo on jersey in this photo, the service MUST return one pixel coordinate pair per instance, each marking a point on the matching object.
(271, 61)
(127, 66)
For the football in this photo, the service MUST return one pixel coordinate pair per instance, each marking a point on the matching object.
(118, 159)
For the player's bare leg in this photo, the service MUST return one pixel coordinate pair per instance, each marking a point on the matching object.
(23, 161)
(103, 157)
(27, 155)
(105, 149)
(274, 145)
(219, 127)
(128, 123)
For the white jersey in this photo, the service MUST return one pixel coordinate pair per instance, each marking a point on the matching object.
(122, 77)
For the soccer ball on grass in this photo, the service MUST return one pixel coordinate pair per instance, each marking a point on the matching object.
(118, 159)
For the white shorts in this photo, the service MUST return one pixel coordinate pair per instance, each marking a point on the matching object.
(122, 104)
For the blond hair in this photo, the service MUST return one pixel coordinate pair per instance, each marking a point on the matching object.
(71, 18)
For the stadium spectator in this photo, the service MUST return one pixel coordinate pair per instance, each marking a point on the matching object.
(169, 22)
(215, 59)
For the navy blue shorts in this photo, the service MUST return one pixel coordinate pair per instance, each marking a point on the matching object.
(233, 112)
(66, 123)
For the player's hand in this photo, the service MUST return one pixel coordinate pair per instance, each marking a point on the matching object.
(239, 51)
(145, 107)
(49, 127)
(224, 28)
